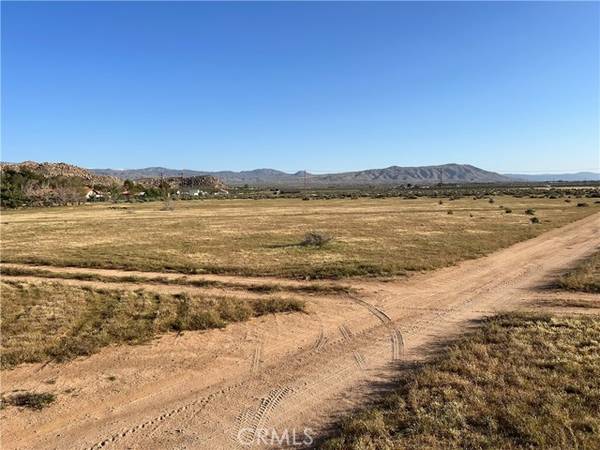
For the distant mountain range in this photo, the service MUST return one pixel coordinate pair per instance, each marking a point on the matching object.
(448, 173)
(579, 176)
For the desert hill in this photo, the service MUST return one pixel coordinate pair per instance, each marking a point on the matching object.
(52, 170)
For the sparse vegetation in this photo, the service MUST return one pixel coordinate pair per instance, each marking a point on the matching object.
(521, 381)
(582, 204)
(585, 277)
(534, 220)
(50, 321)
(29, 400)
(315, 239)
(373, 237)
(263, 288)
(530, 211)
(566, 302)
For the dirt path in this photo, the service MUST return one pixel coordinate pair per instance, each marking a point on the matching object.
(207, 389)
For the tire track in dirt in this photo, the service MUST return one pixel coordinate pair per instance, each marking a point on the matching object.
(494, 287)
(396, 339)
(312, 386)
(322, 387)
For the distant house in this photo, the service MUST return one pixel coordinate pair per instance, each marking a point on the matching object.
(93, 194)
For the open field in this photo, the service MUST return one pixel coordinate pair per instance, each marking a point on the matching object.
(520, 381)
(198, 389)
(381, 237)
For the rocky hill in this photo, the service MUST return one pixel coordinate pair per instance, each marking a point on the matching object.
(192, 182)
(52, 170)
(449, 173)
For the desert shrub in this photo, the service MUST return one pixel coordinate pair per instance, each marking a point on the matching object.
(582, 204)
(167, 205)
(507, 210)
(567, 200)
(534, 220)
(530, 211)
(30, 400)
(440, 202)
(491, 200)
(450, 211)
(315, 239)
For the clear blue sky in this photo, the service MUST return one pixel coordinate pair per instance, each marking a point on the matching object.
(321, 86)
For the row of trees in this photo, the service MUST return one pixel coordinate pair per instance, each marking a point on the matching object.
(28, 188)
(18, 188)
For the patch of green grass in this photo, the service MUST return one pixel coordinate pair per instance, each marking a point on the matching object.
(29, 400)
(520, 381)
(50, 321)
(585, 277)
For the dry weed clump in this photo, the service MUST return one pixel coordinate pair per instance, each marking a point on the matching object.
(315, 239)
(29, 400)
(585, 277)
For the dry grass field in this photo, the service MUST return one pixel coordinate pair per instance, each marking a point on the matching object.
(371, 237)
(50, 321)
(222, 350)
(520, 381)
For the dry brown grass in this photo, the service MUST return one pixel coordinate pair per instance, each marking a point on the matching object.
(521, 381)
(263, 288)
(51, 321)
(258, 237)
(585, 277)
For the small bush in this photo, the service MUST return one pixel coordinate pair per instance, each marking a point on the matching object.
(567, 200)
(450, 211)
(491, 200)
(315, 239)
(534, 220)
(167, 205)
(277, 305)
(582, 205)
(530, 211)
(30, 400)
(507, 210)
(440, 202)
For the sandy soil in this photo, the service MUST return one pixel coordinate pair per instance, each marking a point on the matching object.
(208, 389)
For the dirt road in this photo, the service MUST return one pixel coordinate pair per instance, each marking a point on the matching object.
(224, 388)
